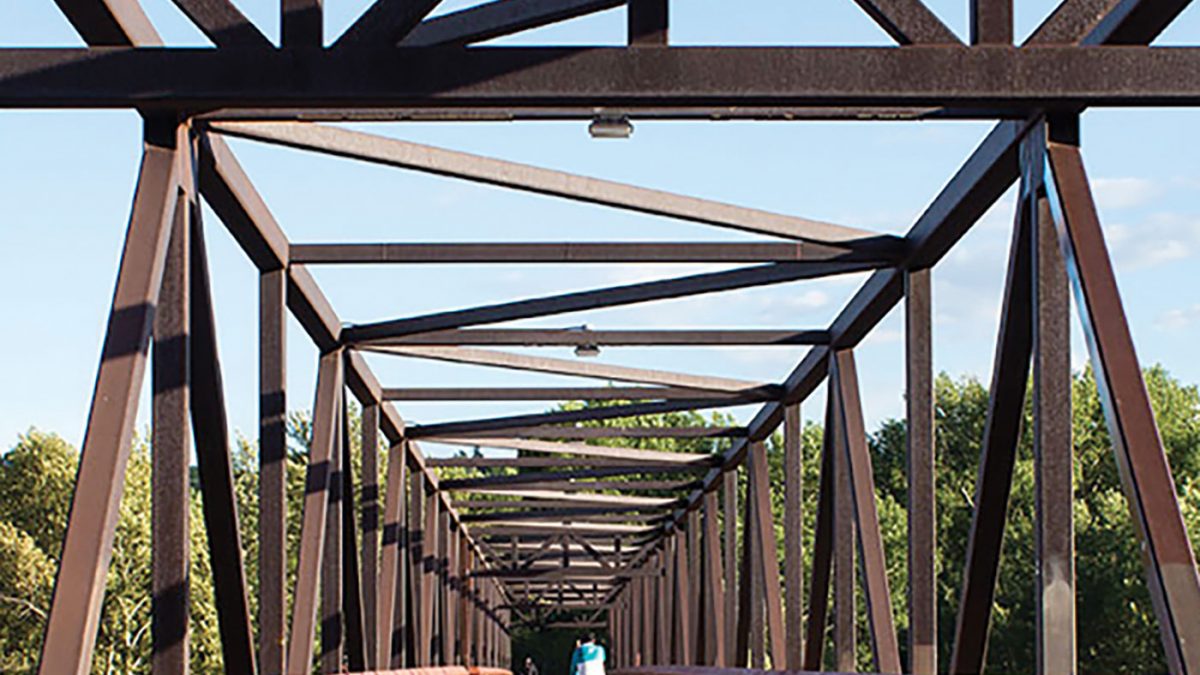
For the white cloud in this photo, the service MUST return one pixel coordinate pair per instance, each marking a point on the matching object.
(1161, 238)
(1124, 193)
(1179, 318)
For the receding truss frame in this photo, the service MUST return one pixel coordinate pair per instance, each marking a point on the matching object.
(426, 585)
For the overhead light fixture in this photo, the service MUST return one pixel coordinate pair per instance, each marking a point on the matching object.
(587, 351)
(611, 127)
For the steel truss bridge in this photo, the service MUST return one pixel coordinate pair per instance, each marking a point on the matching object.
(399, 579)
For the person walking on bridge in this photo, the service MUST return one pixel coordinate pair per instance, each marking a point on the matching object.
(588, 658)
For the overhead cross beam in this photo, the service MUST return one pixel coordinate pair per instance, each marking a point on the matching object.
(566, 416)
(555, 394)
(584, 252)
(615, 296)
(633, 455)
(576, 368)
(572, 82)
(585, 336)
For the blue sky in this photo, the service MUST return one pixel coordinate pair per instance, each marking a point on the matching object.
(68, 177)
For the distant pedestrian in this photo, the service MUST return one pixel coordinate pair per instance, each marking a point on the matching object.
(530, 667)
(588, 658)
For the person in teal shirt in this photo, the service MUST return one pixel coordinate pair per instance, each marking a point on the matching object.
(588, 658)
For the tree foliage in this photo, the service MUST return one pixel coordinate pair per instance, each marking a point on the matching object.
(1117, 628)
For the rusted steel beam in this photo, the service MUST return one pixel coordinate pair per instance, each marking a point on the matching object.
(171, 454)
(681, 602)
(712, 607)
(616, 296)
(577, 514)
(416, 550)
(404, 154)
(316, 504)
(431, 537)
(355, 644)
(576, 368)
(793, 532)
(390, 608)
(110, 22)
(566, 416)
(223, 23)
(571, 463)
(772, 594)
(922, 515)
(695, 585)
(369, 430)
(633, 455)
(991, 22)
(211, 432)
(870, 540)
(729, 498)
(999, 447)
(531, 477)
(909, 22)
(301, 24)
(87, 549)
(648, 23)
(385, 23)
(585, 336)
(533, 498)
(574, 81)
(750, 608)
(1171, 572)
(845, 625)
(1052, 449)
(581, 252)
(499, 18)
(272, 471)
(555, 394)
(567, 433)
(332, 580)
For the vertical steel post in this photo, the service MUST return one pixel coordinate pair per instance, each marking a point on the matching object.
(389, 604)
(272, 470)
(1052, 450)
(683, 607)
(429, 555)
(648, 22)
(695, 586)
(301, 23)
(331, 564)
(793, 532)
(171, 455)
(370, 530)
(729, 549)
(663, 605)
(922, 514)
(712, 609)
(991, 22)
(844, 606)
(416, 542)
